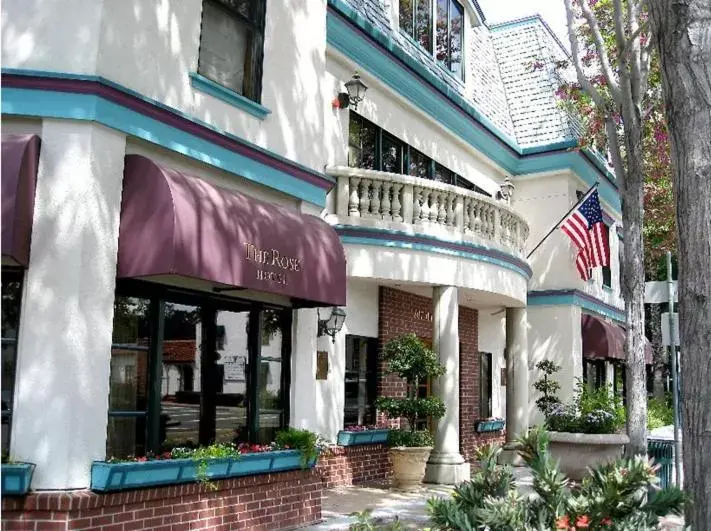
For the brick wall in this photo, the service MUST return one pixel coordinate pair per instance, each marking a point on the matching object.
(355, 465)
(401, 313)
(263, 502)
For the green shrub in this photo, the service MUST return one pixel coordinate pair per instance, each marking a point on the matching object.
(547, 386)
(660, 412)
(589, 411)
(614, 496)
(309, 443)
(410, 439)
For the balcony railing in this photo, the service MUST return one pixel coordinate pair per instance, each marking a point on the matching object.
(433, 206)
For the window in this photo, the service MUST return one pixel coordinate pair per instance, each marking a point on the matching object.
(486, 378)
(443, 175)
(606, 270)
(464, 183)
(168, 389)
(232, 45)
(450, 36)
(362, 143)
(393, 154)
(360, 380)
(420, 165)
(11, 299)
(416, 21)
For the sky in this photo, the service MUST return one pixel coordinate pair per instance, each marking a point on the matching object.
(552, 11)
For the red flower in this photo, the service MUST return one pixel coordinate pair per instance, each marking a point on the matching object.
(583, 521)
(606, 521)
(563, 522)
(141, 459)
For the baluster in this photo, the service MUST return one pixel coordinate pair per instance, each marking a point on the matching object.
(364, 197)
(375, 210)
(387, 185)
(434, 207)
(451, 200)
(425, 213)
(397, 203)
(442, 213)
(416, 206)
(467, 214)
(354, 201)
(477, 222)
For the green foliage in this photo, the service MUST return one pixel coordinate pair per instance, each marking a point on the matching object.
(366, 522)
(309, 443)
(410, 439)
(202, 454)
(589, 411)
(659, 412)
(409, 358)
(612, 497)
(547, 386)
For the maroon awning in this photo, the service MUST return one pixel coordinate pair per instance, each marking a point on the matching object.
(605, 340)
(20, 158)
(176, 225)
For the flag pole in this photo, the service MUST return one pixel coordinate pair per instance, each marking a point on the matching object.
(583, 198)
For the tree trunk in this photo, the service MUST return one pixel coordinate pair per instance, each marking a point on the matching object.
(633, 285)
(683, 37)
(654, 326)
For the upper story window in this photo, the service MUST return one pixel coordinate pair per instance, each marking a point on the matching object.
(232, 45)
(372, 148)
(416, 20)
(450, 36)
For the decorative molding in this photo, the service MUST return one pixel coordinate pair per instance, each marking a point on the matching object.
(230, 97)
(575, 297)
(93, 98)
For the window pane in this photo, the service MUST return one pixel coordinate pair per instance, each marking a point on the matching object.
(392, 154)
(224, 40)
(419, 164)
(464, 183)
(423, 24)
(271, 394)
(406, 16)
(362, 140)
(232, 365)
(442, 48)
(485, 368)
(11, 298)
(443, 175)
(128, 380)
(360, 381)
(180, 407)
(456, 39)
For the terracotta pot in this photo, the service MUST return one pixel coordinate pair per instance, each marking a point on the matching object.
(409, 466)
(578, 451)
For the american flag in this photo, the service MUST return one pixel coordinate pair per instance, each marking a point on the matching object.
(589, 234)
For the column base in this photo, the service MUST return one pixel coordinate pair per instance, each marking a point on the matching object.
(509, 455)
(447, 469)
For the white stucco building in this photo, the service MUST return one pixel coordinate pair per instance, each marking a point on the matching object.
(176, 158)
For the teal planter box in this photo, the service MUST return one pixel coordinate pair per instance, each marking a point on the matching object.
(353, 438)
(16, 478)
(108, 477)
(490, 425)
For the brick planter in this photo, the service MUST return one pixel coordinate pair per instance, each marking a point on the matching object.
(263, 502)
(355, 465)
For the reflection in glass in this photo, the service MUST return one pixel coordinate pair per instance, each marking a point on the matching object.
(362, 141)
(442, 41)
(128, 380)
(419, 164)
(423, 24)
(443, 175)
(11, 297)
(270, 392)
(456, 39)
(392, 154)
(406, 16)
(360, 381)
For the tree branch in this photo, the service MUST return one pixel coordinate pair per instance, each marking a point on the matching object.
(601, 50)
(613, 141)
(635, 55)
(577, 63)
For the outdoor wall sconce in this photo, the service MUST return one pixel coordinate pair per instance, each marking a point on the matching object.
(332, 324)
(506, 190)
(356, 92)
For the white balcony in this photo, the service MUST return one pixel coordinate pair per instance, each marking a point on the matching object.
(368, 198)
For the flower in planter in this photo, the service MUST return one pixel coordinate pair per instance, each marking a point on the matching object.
(364, 428)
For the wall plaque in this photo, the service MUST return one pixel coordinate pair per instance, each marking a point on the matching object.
(321, 365)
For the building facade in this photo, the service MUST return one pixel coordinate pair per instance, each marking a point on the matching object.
(183, 174)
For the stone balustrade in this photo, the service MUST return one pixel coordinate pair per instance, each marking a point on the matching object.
(390, 197)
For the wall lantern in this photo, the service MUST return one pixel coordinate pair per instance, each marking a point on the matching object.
(332, 324)
(506, 190)
(356, 92)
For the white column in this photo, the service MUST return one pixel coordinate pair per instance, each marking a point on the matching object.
(446, 464)
(64, 349)
(516, 373)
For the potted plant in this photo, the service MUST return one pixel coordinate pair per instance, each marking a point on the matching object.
(409, 358)
(584, 432)
(355, 435)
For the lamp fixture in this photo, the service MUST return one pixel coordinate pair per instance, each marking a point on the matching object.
(506, 190)
(354, 95)
(332, 324)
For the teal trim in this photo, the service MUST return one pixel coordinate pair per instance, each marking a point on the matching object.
(575, 298)
(77, 106)
(383, 58)
(475, 253)
(231, 97)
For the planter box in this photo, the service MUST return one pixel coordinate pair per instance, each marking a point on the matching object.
(107, 477)
(490, 425)
(352, 438)
(578, 451)
(16, 478)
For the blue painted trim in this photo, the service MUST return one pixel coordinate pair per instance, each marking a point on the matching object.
(92, 107)
(382, 57)
(355, 438)
(398, 239)
(575, 297)
(231, 97)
